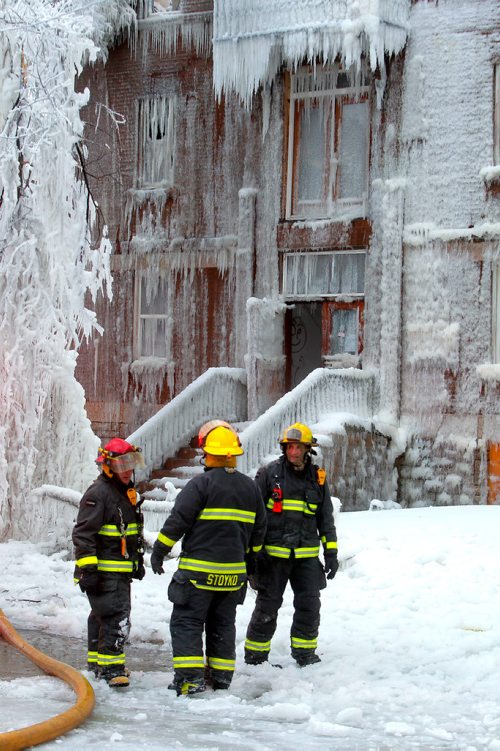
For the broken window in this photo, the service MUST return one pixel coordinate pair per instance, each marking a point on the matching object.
(154, 322)
(328, 144)
(156, 135)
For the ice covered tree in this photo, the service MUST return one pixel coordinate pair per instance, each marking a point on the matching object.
(53, 254)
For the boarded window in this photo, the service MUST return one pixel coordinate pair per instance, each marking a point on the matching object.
(156, 135)
(328, 144)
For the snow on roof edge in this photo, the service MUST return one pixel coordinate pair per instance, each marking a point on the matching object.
(249, 49)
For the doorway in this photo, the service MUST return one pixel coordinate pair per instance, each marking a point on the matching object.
(304, 336)
(322, 333)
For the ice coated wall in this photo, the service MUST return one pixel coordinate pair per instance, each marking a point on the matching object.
(429, 280)
(447, 118)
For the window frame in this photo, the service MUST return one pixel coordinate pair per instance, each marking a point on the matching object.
(313, 297)
(145, 167)
(140, 316)
(338, 97)
(330, 309)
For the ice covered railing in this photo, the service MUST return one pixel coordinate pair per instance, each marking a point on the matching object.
(347, 390)
(219, 392)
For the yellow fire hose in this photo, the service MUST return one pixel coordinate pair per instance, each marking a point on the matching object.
(15, 740)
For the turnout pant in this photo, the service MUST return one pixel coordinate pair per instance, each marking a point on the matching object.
(108, 624)
(197, 610)
(306, 577)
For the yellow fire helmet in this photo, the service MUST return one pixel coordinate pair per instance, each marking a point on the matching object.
(222, 441)
(299, 433)
(207, 427)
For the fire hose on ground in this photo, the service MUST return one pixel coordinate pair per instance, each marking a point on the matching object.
(33, 735)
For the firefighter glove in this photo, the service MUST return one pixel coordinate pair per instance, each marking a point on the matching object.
(140, 572)
(157, 562)
(331, 565)
(89, 580)
(250, 563)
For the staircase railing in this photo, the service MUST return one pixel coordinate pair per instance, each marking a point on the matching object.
(321, 393)
(219, 392)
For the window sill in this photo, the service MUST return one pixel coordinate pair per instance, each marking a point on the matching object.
(147, 365)
(344, 360)
(491, 177)
(489, 372)
(153, 193)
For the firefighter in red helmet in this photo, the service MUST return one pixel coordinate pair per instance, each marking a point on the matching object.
(109, 551)
(220, 516)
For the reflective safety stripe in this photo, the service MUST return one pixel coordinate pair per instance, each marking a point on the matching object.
(277, 552)
(257, 548)
(217, 663)
(166, 540)
(111, 530)
(122, 567)
(257, 646)
(329, 545)
(104, 660)
(91, 656)
(227, 514)
(303, 643)
(88, 560)
(307, 552)
(208, 567)
(193, 661)
(299, 506)
(215, 588)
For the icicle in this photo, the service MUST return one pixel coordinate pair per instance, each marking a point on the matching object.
(253, 39)
(162, 32)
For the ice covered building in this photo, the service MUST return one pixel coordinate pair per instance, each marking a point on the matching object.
(306, 190)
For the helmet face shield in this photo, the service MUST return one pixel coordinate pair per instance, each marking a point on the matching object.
(294, 434)
(126, 462)
(298, 433)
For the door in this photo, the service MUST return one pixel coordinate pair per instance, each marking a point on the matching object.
(304, 335)
(320, 334)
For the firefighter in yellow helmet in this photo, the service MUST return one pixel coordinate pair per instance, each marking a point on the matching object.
(220, 516)
(108, 540)
(299, 522)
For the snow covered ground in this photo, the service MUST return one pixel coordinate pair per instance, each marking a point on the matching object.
(409, 640)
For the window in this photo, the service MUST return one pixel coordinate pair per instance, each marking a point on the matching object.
(156, 136)
(328, 144)
(321, 274)
(496, 123)
(496, 315)
(344, 331)
(160, 6)
(154, 331)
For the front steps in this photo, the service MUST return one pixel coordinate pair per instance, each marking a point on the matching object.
(176, 472)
